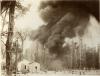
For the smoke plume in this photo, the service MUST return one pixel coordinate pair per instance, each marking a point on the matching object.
(64, 19)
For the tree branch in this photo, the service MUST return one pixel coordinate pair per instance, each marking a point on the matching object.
(3, 42)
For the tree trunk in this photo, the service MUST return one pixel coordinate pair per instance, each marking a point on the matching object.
(10, 38)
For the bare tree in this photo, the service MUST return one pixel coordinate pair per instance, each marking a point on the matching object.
(10, 37)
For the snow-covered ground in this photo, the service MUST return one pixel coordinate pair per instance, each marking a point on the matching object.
(54, 75)
(63, 73)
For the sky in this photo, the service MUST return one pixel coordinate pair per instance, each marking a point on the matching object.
(31, 19)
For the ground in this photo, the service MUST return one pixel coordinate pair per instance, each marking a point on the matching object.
(62, 73)
(54, 75)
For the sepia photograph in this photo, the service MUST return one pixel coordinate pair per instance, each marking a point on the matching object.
(49, 38)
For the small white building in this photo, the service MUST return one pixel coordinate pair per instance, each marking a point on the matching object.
(23, 66)
(34, 67)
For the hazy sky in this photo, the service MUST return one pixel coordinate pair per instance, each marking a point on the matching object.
(31, 19)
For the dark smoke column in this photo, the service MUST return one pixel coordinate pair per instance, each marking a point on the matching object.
(62, 18)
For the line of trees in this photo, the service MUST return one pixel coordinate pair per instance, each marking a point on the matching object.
(83, 57)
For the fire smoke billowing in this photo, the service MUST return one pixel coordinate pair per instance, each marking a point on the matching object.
(64, 19)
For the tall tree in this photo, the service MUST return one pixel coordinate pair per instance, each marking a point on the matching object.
(10, 36)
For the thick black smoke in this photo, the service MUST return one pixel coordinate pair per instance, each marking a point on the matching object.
(64, 19)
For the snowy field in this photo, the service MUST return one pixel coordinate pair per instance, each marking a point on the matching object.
(54, 75)
(64, 73)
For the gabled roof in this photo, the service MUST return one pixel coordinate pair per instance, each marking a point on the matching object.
(24, 61)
